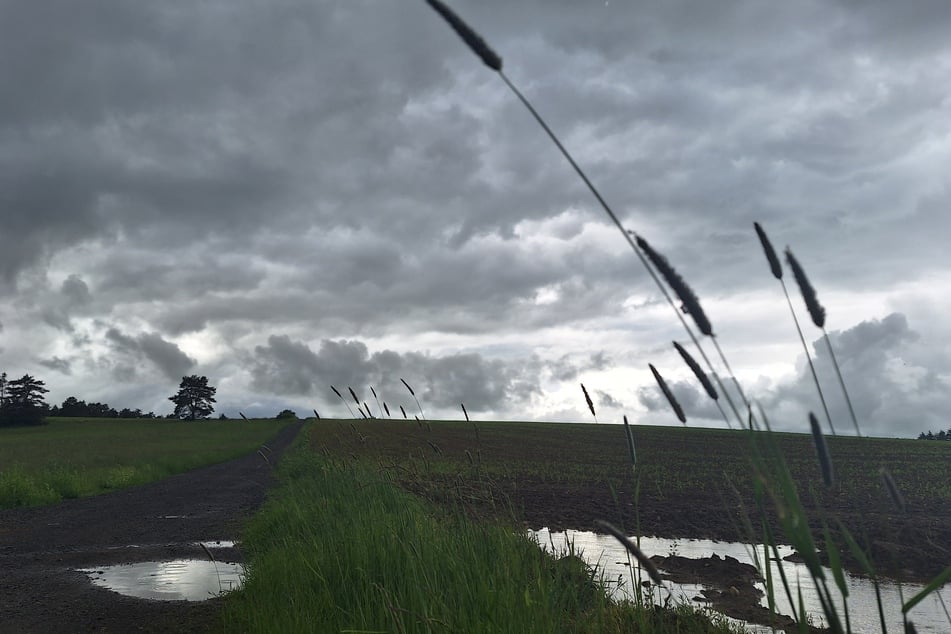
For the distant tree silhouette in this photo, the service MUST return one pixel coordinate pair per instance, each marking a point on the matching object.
(287, 413)
(22, 402)
(194, 399)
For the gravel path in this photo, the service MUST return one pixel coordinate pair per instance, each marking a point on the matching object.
(42, 548)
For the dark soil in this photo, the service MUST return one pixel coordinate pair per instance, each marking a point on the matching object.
(693, 483)
(41, 548)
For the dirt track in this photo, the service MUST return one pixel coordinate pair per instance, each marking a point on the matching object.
(41, 548)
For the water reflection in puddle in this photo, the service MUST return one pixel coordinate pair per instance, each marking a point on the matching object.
(178, 580)
(611, 559)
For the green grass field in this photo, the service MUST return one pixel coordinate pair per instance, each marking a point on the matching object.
(75, 457)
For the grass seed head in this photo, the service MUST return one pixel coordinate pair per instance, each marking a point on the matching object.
(336, 391)
(465, 412)
(892, 487)
(670, 395)
(588, 400)
(489, 57)
(386, 409)
(632, 548)
(316, 415)
(687, 297)
(412, 393)
(404, 412)
(774, 265)
(825, 461)
(816, 311)
(354, 395)
(698, 372)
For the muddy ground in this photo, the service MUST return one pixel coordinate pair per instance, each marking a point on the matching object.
(42, 548)
(690, 483)
(561, 477)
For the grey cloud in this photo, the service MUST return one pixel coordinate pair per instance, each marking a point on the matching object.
(76, 290)
(165, 355)
(338, 170)
(58, 364)
(697, 406)
(288, 367)
(568, 367)
(891, 393)
(603, 399)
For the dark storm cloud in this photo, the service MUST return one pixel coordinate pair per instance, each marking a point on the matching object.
(292, 368)
(165, 355)
(350, 170)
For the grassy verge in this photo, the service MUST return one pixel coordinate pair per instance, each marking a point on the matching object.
(339, 548)
(75, 457)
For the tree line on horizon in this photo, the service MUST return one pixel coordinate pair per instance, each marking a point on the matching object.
(22, 402)
(941, 435)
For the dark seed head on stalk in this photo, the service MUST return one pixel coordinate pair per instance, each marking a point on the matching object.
(316, 414)
(336, 392)
(630, 442)
(373, 391)
(465, 412)
(403, 411)
(690, 302)
(892, 487)
(243, 416)
(354, 395)
(588, 400)
(632, 548)
(470, 37)
(386, 409)
(670, 395)
(774, 264)
(816, 311)
(412, 393)
(825, 462)
(698, 372)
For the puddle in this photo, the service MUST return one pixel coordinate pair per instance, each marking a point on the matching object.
(177, 580)
(611, 559)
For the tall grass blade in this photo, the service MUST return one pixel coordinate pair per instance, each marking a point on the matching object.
(935, 584)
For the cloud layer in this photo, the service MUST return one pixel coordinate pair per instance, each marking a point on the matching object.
(288, 196)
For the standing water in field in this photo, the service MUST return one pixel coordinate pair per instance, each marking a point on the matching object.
(613, 565)
(175, 580)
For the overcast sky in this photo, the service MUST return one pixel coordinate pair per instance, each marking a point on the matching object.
(286, 195)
